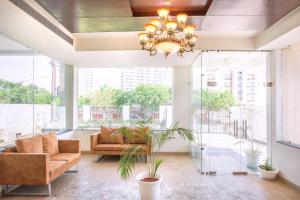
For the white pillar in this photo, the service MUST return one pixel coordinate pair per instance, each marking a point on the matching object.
(125, 112)
(69, 98)
(75, 98)
(181, 106)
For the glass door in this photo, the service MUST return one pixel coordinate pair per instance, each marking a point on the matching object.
(229, 111)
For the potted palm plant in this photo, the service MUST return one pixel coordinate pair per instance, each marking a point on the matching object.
(150, 180)
(267, 171)
(253, 154)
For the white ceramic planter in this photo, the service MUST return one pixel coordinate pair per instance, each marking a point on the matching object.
(149, 190)
(269, 175)
(252, 158)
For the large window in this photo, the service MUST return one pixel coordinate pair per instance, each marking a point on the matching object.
(121, 96)
(31, 92)
(49, 94)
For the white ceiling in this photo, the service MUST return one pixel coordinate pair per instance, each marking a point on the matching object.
(107, 49)
(10, 45)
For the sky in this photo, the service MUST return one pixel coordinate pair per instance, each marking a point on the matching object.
(20, 69)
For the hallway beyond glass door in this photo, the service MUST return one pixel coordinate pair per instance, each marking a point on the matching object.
(229, 110)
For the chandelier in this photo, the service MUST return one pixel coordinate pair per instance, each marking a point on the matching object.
(162, 34)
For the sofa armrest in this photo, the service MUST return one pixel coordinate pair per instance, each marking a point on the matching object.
(69, 146)
(94, 140)
(24, 168)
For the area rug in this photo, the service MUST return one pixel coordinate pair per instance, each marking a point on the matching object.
(123, 191)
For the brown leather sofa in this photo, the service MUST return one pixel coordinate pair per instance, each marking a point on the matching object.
(103, 143)
(18, 168)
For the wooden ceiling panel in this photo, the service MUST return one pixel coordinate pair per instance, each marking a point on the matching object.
(121, 24)
(80, 16)
(252, 7)
(71, 9)
(149, 8)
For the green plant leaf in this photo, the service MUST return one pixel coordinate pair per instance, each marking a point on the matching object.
(157, 163)
(127, 161)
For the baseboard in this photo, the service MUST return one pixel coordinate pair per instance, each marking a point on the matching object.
(281, 178)
(161, 153)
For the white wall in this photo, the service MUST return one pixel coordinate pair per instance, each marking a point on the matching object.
(285, 158)
(84, 137)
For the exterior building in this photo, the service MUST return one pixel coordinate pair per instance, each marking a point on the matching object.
(132, 77)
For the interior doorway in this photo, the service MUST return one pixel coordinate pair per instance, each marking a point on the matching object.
(229, 109)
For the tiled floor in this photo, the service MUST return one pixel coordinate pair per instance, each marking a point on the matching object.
(181, 181)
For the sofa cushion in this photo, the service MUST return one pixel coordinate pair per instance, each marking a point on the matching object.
(30, 145)
(69, 157)
(57, 167)
(106, 136)
(50, 144)
(116, 147)
(138, 136)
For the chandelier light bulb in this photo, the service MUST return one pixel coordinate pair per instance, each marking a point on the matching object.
(171, 26)
(181, 18)
(143, 38)
(150, 29)
(193, 40)
(155, 22)
(189, 31)
(163, 13)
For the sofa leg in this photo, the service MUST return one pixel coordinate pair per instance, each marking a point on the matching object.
(49, 189)
(8, 191)
(98, 158)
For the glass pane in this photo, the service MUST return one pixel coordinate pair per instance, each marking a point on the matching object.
(197, 147)
(119, 96)
(16, 90)
(229, 109)
(49, 95)
(32, 92)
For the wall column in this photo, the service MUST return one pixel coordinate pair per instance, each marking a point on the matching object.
(181, 106)
(69, 79)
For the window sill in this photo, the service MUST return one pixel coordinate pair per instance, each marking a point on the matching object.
(290, 144)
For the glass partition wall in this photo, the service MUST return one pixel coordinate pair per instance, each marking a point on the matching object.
(32, 92)
(229, 109)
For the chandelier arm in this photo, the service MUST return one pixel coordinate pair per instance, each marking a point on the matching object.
(188, 49)
(160, 32)
(153, 50)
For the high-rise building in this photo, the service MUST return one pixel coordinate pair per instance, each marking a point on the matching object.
(132, 77)
(85, 81)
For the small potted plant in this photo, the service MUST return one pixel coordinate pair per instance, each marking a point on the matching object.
(267, 171)
(150, 180)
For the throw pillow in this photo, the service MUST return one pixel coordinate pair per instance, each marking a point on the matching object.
(50, 144)
(106, 136)
(138, 135)
(30, 145)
